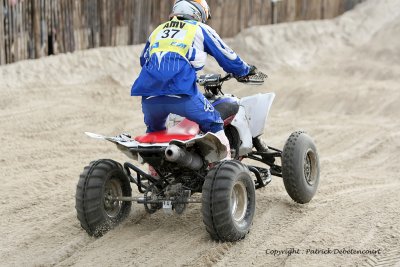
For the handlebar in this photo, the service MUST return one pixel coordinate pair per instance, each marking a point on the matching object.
(213, 82)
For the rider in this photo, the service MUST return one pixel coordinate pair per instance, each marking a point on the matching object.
(173, 53)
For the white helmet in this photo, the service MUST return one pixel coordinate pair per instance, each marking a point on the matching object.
(191, 9)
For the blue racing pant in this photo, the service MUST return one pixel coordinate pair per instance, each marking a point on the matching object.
(195, 108)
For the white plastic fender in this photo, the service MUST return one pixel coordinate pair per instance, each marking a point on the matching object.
(257, 108)
(209, 144)
(240, 122)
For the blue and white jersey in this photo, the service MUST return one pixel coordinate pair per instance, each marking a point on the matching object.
(169, 73)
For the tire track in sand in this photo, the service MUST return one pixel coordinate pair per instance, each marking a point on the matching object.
(390, 256)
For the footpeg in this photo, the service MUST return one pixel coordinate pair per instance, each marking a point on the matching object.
(263, 176)
(266, 177)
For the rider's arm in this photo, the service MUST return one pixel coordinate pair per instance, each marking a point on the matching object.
(226, 58)
(145, 54)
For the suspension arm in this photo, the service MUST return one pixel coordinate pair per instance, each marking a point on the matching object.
(139, 173)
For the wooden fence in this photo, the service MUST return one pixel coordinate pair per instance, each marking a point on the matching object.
(36, 28)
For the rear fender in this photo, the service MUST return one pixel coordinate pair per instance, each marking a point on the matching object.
(123, 143)
(209, 145)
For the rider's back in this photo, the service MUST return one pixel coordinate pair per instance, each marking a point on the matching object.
(175, 51)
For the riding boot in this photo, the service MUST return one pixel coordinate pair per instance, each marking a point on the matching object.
(261, 146)
(224, 140)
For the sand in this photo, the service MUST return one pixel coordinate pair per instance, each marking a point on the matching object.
(339, 80)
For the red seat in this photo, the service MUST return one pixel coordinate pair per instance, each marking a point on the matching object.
(183, 131)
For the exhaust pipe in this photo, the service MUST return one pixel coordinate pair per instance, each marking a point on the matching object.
(180, 156)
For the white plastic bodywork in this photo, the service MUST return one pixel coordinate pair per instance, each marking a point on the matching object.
(241, 124)
(251, 118)
(209, 144)
(249, 122)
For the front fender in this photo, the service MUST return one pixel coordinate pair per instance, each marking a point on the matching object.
(241, 123)
(257, 108)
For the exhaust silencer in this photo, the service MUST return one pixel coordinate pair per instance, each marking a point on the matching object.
(180, 156)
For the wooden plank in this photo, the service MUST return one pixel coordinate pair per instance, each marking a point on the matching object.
(331, 8)
(95, 23)
(36, 27)
(300, 10)
(291, 10)
(108, 19)
(53, 32)
(71, 25)
(29, 30)
(235, 19)
(281, 12)
(2, 33)
(121, 26)
(153, 18)
(113, 23)
(218, 13)
(76, 25)
(8, 29)
(63, 27)
(146, 28)
(222, 22)
(22, 25)
(92, 22)
(244, 15)
(58, 35)
(18, 33)
(130, 9)
(274, 12)
(265, 12)
(103, 22)
(44, 28)
(137, 21)
(6, 33)
(312, 10)
(317, 10)
(13, 31)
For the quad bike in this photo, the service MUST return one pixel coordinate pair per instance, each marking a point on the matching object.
(185, 162)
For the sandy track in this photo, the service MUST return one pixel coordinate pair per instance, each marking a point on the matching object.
(338, 80)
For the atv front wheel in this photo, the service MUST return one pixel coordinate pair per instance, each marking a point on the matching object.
(99, 184)
(300, 167)
(228, 201)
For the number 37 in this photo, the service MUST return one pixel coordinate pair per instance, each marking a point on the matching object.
(170, 33)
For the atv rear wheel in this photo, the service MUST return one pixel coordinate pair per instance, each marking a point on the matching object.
(300, 167)
(98, 185)
(228, 201)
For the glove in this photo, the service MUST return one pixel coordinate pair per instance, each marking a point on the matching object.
(252, 71)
